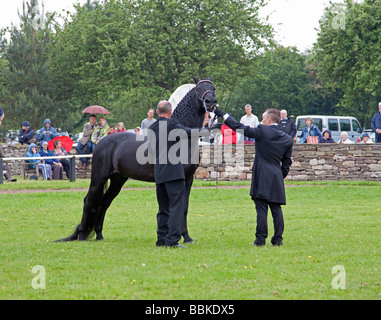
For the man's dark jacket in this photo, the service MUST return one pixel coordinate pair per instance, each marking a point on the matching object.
(289, 127)
(163, 129)
(273, 150)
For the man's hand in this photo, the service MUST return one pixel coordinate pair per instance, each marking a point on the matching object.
(219, 112)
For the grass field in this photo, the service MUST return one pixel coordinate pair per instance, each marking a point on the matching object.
(325, 226)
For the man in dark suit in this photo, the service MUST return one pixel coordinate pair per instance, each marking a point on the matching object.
(169, 175)
(273, 149)
(287, 125)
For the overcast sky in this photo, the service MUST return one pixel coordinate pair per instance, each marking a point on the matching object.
(294, 21)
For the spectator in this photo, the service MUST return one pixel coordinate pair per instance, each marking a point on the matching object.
(287, 125)
(26, 134)
(100, 131)
(250, 120)
(344, 138)
(85, 142)
(376, 124)
(229, 136)
(327, 137)
(137, 130)
(120, 127)
(6, 170)
(47, 132)
(56, 166)
(365, 138)
(42, 165)
(1, 116)
(310, 130)
(111, 130)
(61, 151)
(148, 121)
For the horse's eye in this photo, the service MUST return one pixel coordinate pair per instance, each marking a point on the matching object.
(198, 89)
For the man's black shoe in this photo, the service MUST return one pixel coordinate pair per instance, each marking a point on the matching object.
(176, 246)
(259, 244)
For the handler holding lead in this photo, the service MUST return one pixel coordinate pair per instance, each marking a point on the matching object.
(273, 150)
(169, 177)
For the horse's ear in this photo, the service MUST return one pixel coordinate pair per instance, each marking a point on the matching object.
(209, 78)
(195, 79)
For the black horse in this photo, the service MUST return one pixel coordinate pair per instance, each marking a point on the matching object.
(115, 159)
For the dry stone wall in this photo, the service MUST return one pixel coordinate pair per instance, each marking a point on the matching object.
(234, 162)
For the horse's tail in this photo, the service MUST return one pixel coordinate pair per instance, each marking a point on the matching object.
(73, 237)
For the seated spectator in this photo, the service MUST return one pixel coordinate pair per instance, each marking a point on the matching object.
(42, 166)
(100, 131)
(57, 168)
(344, 138)
(85, 142)
(112, 129)
(309, 130)
(120, 127)
(6, 170)
(327, 137)
(365, 138)
(61, 151)
(137, 130)
(47, 132)
(26, 134)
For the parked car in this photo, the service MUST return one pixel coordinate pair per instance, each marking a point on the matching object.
(336, 124)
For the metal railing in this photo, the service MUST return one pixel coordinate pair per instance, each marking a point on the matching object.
(71, 157)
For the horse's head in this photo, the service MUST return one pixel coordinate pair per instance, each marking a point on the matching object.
(206, 93)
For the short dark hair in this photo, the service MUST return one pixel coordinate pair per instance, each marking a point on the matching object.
(56, 142)
(274, 115)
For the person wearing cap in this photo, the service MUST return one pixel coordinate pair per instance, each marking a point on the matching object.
(365, 138)
(327, 137)
(26, 134)
(376, 124)
(47, 132)
(85, 142)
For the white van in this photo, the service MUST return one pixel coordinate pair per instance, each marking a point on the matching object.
(334, 123)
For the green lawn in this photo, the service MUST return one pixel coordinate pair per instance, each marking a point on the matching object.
(325, 226)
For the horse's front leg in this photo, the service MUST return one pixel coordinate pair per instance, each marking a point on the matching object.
(185, 233)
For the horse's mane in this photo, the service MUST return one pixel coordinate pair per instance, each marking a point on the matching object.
(187, 113)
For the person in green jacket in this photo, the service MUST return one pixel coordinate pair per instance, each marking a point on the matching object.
(100, 131)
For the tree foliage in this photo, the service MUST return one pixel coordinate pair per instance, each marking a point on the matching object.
(28, 90)
(348, 55)
(128, 54)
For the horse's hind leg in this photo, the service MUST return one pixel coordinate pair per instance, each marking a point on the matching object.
(117, 182)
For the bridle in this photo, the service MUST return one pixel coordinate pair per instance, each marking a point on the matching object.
(202, 98)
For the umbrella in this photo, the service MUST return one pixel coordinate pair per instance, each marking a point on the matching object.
(96, 109)
(66, 142)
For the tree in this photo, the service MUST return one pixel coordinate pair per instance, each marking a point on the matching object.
(129, 54)
(28, 92)
(348, 55)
